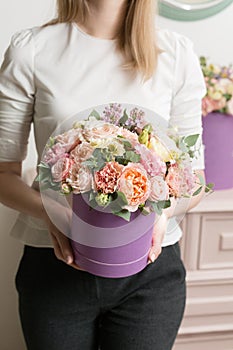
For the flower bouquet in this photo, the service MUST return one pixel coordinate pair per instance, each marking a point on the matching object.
(219, 84)
(217, 110)
(121, 175)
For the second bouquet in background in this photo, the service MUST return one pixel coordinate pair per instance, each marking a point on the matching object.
(117, 166)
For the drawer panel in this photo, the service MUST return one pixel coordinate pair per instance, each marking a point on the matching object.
(216, 241)
(209, 341)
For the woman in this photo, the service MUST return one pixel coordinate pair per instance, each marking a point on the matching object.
(95, 52)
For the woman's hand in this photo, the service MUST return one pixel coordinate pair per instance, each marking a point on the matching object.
(158, 236)
(61, 244)
(159, 230)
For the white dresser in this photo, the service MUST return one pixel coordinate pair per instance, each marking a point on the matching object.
(207, 252)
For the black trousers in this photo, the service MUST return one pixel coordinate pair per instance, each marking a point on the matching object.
(62, 308)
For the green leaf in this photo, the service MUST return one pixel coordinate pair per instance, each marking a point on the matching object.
(51, 142)
(132, 156)
(121, 198)
(117, 201)
(91, 195)
(95, 114)
(197, 191)
(164, 204)
(209, 187)
(181, 145)
(191, 140)
(126, 143)
(201, 179)
(124, 118)
(124, 214)
(155, 207)
(144, 211)
(43, 165)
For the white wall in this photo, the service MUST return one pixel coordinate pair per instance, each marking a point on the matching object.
(211, 37)
(14, 16)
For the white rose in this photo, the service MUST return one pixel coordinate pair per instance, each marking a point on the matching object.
(159, 189)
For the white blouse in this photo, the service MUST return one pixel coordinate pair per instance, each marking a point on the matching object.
(51, 73)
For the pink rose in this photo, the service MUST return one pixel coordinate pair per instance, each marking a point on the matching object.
(52, 155)
(180, 181)
(61, 169)
(70, 139)
(174, 180)
(129, 135)
(106, 179)
(209, 105)
(189, 178)
(135, 185)
(159, 189)
(80, 179)
(81, 152)
(151, 161)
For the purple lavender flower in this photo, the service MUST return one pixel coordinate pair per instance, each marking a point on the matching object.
(136, 118)
(112, 113)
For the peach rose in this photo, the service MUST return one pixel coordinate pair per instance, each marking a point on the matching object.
(135, 185)
(70, 139)
(104, 131)
(61, 169)
(81, 152)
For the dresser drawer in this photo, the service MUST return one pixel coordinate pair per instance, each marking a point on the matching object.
(216, 241)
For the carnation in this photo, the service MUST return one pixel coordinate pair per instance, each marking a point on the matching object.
(150, 161)
(106, 179)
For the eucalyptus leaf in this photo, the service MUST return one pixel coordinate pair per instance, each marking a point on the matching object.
(164, 204)
(132, 156)
(156, 208)
(43, 165)
(209, 187)
(95, 114)
(121, 198)
(144, 211)
(197, 191)
(125, 214)
(201, 179)
(124, 118)
(191, 140)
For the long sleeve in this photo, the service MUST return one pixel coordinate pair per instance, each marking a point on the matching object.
(17, 93)
(189, 89)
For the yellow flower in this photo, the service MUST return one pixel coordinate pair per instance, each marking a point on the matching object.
(144, 137)
(215, 95)
(165, 154)
(230, 89)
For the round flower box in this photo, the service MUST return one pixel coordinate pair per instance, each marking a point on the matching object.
(218, 141)
(107, 245)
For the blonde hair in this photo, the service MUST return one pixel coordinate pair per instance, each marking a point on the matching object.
(136, 38)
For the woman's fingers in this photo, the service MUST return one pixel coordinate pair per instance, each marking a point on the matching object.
(62, 247)
(63, 250)
(155, 251)
(157, 238)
